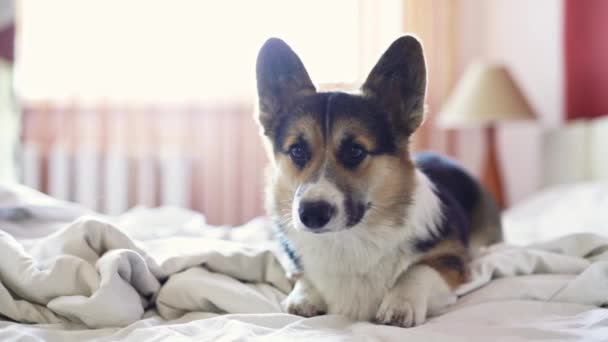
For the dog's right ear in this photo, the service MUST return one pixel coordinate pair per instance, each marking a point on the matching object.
(281, 78)
(398, 83)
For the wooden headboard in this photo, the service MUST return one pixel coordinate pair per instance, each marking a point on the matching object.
(576, 152)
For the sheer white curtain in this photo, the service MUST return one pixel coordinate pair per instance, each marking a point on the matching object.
(8, 114)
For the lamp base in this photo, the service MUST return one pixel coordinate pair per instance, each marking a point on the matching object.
(491, 177)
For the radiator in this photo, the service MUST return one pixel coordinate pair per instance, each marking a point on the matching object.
(110, 158)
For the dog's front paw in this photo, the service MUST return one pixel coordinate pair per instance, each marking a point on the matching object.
(307, 306)
(401, 311)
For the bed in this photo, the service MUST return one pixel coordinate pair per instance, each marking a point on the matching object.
(67, 274)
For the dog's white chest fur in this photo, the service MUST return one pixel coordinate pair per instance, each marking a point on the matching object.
(354, 294)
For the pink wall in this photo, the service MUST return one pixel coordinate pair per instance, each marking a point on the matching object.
(527, 37)
(586, 53)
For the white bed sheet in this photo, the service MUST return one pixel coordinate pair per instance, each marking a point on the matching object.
(552, 291)
(559, 210)
(513, 320)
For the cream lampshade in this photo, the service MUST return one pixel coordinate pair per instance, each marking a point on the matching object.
(485, 95)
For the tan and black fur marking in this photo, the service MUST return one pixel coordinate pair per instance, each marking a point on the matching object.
(371, 226)
(387, 177)
(450, 258)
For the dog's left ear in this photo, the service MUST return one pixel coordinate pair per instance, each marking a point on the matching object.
(398, 83)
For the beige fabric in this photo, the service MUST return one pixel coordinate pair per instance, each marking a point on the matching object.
(92, 273)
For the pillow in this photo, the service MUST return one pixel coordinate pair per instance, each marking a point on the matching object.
(598, 154)
(577, 152)
(567, 143)
(18, 202)
(557, 211)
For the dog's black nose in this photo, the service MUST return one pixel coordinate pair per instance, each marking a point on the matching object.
(315, 214)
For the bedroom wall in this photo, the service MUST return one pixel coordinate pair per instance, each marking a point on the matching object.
(527, 36)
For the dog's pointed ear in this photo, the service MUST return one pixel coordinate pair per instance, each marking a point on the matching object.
(398, 83)
(281, 78)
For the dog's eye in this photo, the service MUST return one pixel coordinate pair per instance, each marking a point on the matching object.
(299, 154)
(356, 152)
(352, 154)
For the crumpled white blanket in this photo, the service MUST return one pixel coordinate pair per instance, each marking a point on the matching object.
(91, 272)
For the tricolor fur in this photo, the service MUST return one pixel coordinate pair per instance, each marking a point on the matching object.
(378, 235)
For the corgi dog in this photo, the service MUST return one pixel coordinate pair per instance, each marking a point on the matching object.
(379, 234)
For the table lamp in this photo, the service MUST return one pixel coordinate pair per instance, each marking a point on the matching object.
(484, 96)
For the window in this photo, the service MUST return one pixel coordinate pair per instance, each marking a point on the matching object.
(143, 50)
